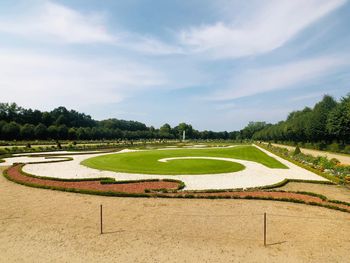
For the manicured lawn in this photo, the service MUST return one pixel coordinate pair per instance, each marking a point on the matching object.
(147, 161)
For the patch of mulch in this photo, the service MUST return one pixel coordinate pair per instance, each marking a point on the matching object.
(137, 187)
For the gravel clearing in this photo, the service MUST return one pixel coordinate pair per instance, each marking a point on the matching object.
(254, 175)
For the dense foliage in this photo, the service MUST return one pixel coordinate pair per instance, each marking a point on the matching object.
(17, 123)
(328, 121)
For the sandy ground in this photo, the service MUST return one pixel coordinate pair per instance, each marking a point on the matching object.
(343, 158)
(38, 225)
(336, 192)
(253, 175)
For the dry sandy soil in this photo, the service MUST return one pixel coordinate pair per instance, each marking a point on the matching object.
(38, 225)
(343, 158)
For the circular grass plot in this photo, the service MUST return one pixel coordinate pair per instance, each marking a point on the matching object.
(147, 162)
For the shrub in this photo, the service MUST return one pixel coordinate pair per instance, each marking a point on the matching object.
(297, 150)
(59, 146)
(320, 146)
(3, 151)
(347, 149)
(309, 145)
(324, 163)
(334, 147)
(335, 161)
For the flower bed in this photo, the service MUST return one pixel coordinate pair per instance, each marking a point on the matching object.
(165, 189)
(328, 168)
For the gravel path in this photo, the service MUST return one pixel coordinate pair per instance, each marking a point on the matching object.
(254, 175)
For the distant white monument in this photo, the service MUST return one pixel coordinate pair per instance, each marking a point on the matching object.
(183, 136)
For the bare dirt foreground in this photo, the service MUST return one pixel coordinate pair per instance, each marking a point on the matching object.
(38, 225)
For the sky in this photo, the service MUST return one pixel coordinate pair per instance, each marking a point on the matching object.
(214, 64)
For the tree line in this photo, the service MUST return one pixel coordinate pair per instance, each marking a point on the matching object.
(18, 123)
(328, 121)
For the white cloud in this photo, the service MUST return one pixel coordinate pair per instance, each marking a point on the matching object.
(57, 22)
(152, 46)
(261, 80)
(269, 25)
(37, 79)
(51, 22)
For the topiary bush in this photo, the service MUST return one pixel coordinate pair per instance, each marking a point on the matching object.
(297, 151)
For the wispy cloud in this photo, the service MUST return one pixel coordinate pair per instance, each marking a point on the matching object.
(266, 79)
(53, 22)
(148, 45)
(268, 26)
(59, 80)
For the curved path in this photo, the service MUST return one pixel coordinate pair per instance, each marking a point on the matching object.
(255, 174)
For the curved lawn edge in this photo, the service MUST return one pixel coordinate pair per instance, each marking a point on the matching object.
(148, 162)
(15, 174)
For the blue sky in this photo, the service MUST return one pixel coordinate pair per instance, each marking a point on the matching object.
(215, 64)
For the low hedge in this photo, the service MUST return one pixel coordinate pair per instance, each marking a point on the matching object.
(249, 197)
(181, 184)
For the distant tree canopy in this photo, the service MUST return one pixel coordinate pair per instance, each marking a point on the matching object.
(327, 121)
(17, 123)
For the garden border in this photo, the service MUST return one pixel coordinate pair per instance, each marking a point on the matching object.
(176, 194)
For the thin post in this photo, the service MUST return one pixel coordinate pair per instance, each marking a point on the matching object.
(265, 229)
(101, 222)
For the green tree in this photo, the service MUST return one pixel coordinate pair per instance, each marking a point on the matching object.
(11, 131)
(165, 131)
(72, 133)
(62, 132)
(52, 132)
(27, 131)
(338, 123)
(317, 129)
(40, 131)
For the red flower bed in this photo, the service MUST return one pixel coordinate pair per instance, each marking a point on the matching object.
(137, 187)
(14, 173)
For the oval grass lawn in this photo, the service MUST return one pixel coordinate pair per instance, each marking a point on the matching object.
(146, 162)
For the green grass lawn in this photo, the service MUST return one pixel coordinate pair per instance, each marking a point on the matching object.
(147, 161)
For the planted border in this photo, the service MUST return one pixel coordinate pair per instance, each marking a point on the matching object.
(194, 194)
(328, 177)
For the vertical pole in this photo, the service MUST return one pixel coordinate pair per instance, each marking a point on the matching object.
(101, 225)
(265, 229)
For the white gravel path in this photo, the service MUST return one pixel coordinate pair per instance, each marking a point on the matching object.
(254, 175)
(50, 153)
(29, 159)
